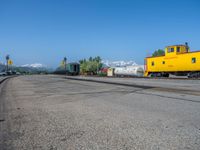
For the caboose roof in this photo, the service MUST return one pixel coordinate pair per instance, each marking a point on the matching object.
(176, 45)
(198, 51)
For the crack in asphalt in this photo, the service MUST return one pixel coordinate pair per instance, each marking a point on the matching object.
(175, 98)
(143, 87)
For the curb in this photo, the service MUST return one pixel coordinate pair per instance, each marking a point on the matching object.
(6, 78)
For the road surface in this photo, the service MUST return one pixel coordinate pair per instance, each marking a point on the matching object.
(51, 112)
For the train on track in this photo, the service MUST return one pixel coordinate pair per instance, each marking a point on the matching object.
(128, 71)
(178, 60)
(71, 69)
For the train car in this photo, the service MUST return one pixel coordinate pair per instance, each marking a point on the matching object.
(137, 71)
(178, 60)
(73, 68)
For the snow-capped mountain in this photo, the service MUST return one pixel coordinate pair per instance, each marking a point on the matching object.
(35, 65)
(119, 63)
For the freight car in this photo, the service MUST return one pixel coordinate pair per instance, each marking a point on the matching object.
(131, 71)
(178, 60)
(136, 71)
(73, 69)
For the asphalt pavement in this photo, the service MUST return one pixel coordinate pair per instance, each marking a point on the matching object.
(52, 112)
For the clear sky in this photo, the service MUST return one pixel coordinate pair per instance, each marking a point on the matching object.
(44, 31)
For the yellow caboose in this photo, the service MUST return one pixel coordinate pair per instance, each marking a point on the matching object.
(178, 60)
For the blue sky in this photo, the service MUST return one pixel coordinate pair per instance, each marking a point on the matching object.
(45, 31)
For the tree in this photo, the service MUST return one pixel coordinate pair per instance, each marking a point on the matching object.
(90, 59)
(81, 61)
(97, 59)
(90, 66)
(159, 52)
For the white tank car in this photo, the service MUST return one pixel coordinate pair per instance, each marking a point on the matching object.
(129, 71)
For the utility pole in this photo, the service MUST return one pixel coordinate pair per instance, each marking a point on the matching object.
(65, 63)
(97, 67)
(7, 59)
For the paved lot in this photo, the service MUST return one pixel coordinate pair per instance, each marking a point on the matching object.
(50, 112)
(187, 84)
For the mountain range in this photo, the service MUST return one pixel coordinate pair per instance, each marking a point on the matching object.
(28, 68)
(120, 63)
(35, 65)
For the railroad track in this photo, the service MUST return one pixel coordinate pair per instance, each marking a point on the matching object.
(156, 78)
(154, 88)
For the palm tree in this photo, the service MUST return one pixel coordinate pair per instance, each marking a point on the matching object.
(98, 60)
(90, 58)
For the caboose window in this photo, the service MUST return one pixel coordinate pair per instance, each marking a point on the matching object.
(178, 49)
(193, 60)
(163, 62)
(170, 50)
(152, 63)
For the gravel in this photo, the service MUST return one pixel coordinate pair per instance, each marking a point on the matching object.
(50, 112)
